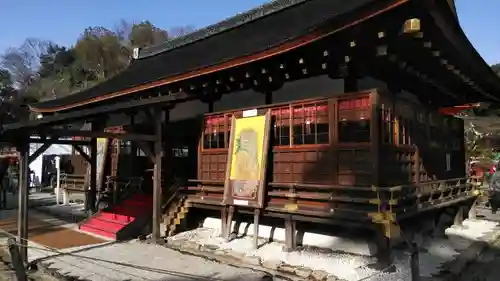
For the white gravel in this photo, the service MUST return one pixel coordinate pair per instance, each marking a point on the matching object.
(350, 267)
(137, 261)
(128, 260)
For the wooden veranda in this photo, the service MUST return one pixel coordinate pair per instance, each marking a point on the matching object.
(406, 46)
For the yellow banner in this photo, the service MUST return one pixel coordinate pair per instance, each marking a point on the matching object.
(246, 159)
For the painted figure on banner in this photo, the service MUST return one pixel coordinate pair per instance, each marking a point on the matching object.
(247, 155)
(246, 164)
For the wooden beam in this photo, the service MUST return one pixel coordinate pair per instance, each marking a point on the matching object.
(147, 150)
(38, 152)
(10, 155)
(22, 219)
(83, 153)
(92, 192)
(97, 134)
(129, 105)
(59, 141)
(157, 188)
(149, 116)
(350, 84)
(133, 145)
(268, 97)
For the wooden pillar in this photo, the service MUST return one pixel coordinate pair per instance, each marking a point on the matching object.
(384, 248)
(290, 234)
(268, 97)
(376, 139)
(459, 216)
(472, 214)
(350, 84)
(167, 145)
(229, 222)
(256, 217)
(92, 192)
(133, 147)
(223, 218)
(22, 219)
(157, 188)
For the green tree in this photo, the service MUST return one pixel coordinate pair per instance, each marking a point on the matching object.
(12, 105)
(5, 81)
(496, 68)
(145, 34)
(42, 70)
(101, 53)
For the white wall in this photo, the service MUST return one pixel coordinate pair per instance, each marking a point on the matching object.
(57, 149)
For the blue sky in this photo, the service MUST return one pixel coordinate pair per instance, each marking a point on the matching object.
(62, 21)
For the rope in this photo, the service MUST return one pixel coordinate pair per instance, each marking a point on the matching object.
(98, 262)
(375, 274)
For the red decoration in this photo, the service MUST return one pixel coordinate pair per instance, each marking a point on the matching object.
(454, 110)
(280, 111)
(115, 129)
(357, 103)
(312, 109)
(215, 120)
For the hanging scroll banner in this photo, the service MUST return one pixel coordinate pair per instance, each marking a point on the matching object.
(247, 159)
(102, 151)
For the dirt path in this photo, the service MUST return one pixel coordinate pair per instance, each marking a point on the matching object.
(49, 234)
(487, 266)
(7, 272)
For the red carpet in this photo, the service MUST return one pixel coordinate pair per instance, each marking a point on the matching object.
(114, 222)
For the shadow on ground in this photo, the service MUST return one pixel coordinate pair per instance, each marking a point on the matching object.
(170, 275)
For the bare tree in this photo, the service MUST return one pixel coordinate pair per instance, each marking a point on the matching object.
(23, 62)
(180, 31)
(122, 30)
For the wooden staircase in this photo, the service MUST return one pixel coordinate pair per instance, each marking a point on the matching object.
(175, 214)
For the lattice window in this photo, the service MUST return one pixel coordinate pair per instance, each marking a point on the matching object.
(180, 152)
(126, 147)
(405, 118)
(434, 130)
(354, 120)
(387, 127)
(214, 133)
(457, 144)
(405, 131)
(421, 133)
(228, 120)
(281, 126)
(310, 124)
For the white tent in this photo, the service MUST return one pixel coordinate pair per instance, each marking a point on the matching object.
(36, 165)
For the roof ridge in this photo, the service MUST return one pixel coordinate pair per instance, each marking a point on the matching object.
(219, 27)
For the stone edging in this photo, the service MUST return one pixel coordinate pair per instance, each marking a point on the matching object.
(46, 269)
(42, 268)
(467, 257)
(274, 268)
(279, 269)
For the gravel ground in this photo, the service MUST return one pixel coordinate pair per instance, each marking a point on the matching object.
(349, 267)
(486, 268)
(7, 272)
(120, 261)
(137, 261)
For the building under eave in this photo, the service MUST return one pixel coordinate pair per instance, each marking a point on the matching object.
(382, 67)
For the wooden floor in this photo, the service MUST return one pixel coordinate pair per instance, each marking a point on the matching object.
(50, 235)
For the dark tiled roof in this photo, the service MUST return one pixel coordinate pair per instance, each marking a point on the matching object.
(232, 22)
(240, 36)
